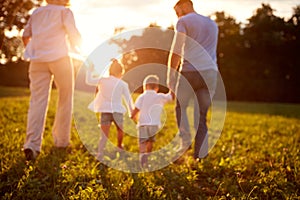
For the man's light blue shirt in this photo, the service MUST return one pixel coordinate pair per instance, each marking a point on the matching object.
(201, 43)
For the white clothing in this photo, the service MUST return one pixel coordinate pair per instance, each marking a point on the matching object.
(150, 105)
(41, 76)
(111, 91)
(53, 32)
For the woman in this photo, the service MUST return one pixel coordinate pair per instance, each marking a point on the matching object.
(48, 37)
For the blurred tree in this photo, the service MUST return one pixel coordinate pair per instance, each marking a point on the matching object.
(13, 17)
(264, 31)
(230, 39)
(293, 32)
(229, 35)
(295, 19)
(137, 51)
(230, 51)
(292, 49)
(268, 57)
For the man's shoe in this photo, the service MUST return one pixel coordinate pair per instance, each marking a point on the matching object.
(30, 154)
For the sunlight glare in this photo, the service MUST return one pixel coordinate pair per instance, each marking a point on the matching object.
(89, 43)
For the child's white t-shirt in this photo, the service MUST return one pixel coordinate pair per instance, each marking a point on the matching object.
(111, 91)
(150, 105)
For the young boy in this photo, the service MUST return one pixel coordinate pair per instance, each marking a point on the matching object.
(149, 105)
(108, 102)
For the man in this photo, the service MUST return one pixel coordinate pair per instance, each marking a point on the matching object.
(47, 36)
(194, 47)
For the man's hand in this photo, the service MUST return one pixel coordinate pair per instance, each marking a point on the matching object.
(171, 79)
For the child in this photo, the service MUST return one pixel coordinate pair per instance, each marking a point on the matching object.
(108, 102)
(149, 104)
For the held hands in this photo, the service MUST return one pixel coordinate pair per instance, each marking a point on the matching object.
(134, 114)
(172, 94)
(134, 118)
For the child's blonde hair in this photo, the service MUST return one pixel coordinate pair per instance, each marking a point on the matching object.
(151, 81)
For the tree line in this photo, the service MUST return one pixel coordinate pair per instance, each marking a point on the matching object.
(258, 60)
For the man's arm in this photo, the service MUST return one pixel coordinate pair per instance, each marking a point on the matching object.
(175, 56)
(25, 40)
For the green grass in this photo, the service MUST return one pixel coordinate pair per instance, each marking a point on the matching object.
(256, 157)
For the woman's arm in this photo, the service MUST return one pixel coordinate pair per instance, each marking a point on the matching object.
(71, 29)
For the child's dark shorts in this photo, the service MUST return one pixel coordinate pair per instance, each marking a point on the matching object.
(108, 118)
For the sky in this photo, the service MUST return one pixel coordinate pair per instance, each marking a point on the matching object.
(97, 19)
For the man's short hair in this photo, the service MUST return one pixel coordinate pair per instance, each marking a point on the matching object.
(180, 2)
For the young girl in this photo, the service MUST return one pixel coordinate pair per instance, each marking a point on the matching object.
(108, 102)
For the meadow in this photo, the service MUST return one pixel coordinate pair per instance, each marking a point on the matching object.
(256, 157)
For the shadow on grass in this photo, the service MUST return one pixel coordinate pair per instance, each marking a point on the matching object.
(34, 179)
(12, 178)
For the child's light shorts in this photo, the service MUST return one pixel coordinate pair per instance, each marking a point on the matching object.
(147, 133)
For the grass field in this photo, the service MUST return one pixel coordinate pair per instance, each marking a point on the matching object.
(256, 157)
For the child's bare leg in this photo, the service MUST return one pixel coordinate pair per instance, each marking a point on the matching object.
(143, 153)
(149, 146)
(103, 140)
(143, 147)
(120, 137)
